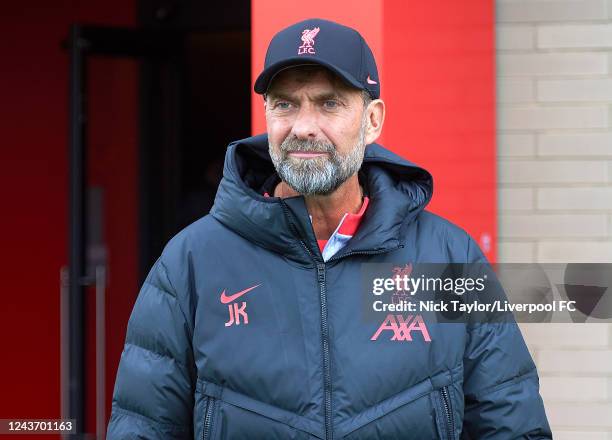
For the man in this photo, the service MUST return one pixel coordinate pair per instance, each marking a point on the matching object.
(248, 326)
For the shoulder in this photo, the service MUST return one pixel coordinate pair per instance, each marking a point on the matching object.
(187, 250)
(432, 230)
(435, 224)
(191, 238)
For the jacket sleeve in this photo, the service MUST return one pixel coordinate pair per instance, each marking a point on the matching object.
(501, 385)
(153, 395)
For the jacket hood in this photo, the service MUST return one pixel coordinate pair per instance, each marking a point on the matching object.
(398, 191)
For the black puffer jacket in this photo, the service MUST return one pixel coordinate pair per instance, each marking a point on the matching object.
(241, 331)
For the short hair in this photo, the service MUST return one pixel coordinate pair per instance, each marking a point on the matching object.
(367, 98)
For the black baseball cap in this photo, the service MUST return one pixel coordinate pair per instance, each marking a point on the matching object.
(315, 41)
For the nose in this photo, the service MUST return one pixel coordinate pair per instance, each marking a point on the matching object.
(305, 126)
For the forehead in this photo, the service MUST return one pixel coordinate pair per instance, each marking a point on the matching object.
(317, 77)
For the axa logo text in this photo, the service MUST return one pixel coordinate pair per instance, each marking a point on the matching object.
(402, 328)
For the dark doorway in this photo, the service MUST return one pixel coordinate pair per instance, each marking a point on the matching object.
(194, 103)
(190, 93)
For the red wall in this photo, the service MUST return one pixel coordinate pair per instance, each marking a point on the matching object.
(436, 61)
(440, 83)
(34, 182)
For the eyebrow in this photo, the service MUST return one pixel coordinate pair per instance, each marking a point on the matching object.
(276, 95)
(319, 97)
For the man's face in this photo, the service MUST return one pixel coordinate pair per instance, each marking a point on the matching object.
(316, 129)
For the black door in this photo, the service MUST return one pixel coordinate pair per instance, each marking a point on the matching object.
(192, 98)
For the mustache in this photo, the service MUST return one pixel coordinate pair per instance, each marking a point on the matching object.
(294, 144)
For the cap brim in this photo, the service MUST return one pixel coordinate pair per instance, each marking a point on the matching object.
(263, 81)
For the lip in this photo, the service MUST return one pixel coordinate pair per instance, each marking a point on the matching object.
(307, 154)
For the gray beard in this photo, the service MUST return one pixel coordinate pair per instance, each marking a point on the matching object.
(319, 175)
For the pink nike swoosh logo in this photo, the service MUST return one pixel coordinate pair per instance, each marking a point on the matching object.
(370, 80)
(227, 299)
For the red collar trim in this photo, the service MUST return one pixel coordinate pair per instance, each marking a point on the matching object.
(350, 222)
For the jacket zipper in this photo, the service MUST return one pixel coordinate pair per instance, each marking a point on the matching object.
(325, 344)
(450, 425)
(210, 403)
(329, 433)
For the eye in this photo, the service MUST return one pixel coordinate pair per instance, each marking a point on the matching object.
(330, 104)
(282, 105)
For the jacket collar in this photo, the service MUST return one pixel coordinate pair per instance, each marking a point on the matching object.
(398, 190)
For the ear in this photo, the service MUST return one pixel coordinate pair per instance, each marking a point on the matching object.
(375, 119)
